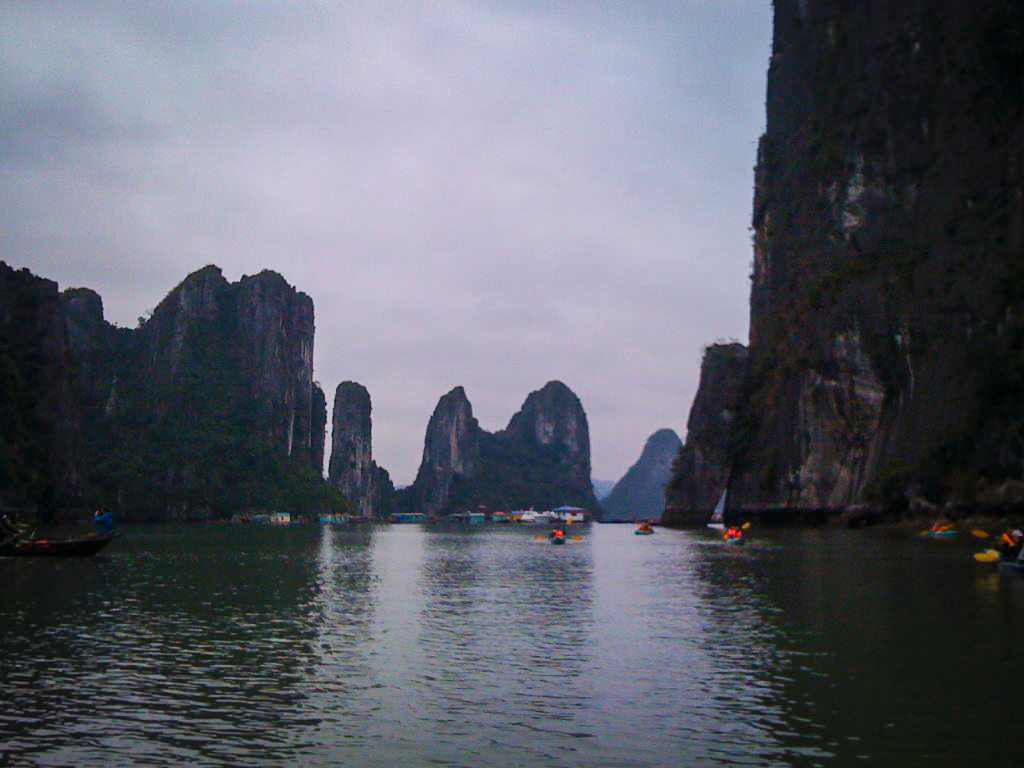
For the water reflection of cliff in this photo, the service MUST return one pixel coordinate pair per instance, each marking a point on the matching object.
(891, 645)
(214, 630)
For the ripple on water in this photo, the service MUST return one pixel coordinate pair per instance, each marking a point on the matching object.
(408, 646)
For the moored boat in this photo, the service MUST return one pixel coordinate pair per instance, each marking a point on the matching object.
(83, 547)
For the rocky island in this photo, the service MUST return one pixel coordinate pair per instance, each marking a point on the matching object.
(353, 471)
(542, 458)
(640, 494)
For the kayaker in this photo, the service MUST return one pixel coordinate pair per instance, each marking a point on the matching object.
(1011, 543)
(558, 533)
(732, 533)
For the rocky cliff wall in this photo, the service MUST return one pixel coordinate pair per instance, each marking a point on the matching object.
(887, 308)
(208, 407)
(541, 459)
(40, 426)
(353, 470)
(702, 468)
(640, 494)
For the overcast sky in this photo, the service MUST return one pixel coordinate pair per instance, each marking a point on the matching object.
(492, 194)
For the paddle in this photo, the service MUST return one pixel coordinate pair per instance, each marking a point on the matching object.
(988, 556)
(746, 526)
(577, 538)
(977, 532)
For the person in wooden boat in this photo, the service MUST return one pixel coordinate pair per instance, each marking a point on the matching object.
(104, 521)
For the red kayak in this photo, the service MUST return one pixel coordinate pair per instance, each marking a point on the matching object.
(84, 547)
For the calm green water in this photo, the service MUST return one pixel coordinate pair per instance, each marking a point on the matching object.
(403, 646)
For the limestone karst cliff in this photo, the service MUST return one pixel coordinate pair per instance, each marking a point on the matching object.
(40, 425)
(207, 408)
(353, 470)
(701, 469)
(640, 494)
(541, 459)
(887, 307)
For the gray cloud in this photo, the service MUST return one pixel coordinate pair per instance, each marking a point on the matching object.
(491, 194)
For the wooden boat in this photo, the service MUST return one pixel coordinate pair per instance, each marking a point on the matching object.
(84, 547)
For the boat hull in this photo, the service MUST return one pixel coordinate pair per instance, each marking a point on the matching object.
(86, 547)
(941, 534)
(642, 533)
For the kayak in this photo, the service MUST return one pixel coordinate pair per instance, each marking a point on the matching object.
(558, 541)
(941, 534)
(735, 542)
(642, 533)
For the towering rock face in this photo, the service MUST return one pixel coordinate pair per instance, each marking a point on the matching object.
(887, 307)
(255, 337)
(206, 408)
(275, 337)
(451, 452)
(352, 470)
(541, 459)
(39, 414)
(701, 470)
(640, 494)
(552, 420)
